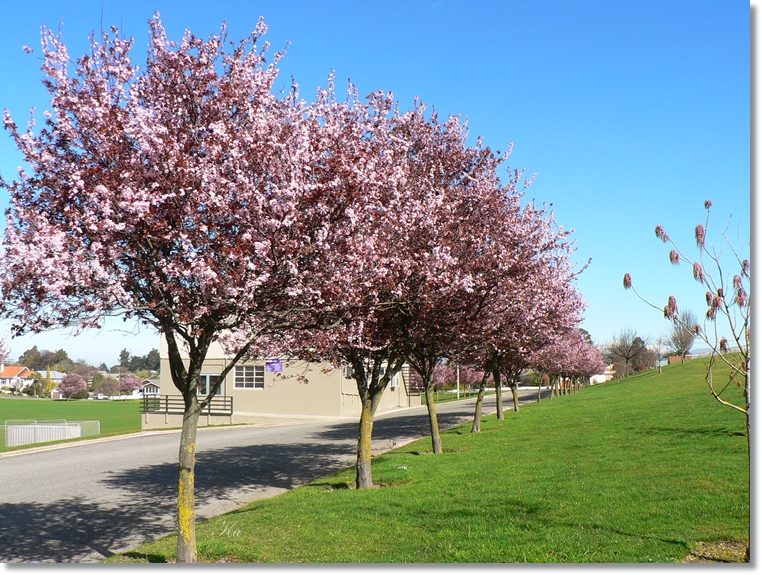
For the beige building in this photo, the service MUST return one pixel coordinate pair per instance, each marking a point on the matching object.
(269, 391)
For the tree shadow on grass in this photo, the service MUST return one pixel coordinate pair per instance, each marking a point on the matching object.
(694, 432)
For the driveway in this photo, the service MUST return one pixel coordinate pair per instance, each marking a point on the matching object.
(84, 501)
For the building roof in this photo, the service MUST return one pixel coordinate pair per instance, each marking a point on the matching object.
(15, 371)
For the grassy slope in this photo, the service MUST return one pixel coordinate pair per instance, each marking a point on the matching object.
(116, 417)
(632, 471)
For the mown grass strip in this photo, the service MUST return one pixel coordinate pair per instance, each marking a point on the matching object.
(116, 417)
(635, 471)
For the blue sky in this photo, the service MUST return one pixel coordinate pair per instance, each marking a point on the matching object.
(631, 113)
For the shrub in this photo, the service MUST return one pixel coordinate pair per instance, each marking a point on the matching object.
(81, 394)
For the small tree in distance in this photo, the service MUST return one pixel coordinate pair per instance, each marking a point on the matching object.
(624, 351)
(71, 383)
(107, 386)
(130, 384)
(726, 298)
(683, 334)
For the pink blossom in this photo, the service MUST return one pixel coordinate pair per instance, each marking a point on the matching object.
(661, 234)
(698, 272)
(674, 257)
(627, 281)
(700, 234)
(707, 204)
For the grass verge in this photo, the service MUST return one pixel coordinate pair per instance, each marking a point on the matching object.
(116, 417)
(643, 470)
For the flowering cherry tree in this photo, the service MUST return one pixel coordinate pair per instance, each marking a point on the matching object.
(71, 383)
(363, 159)
(184, 194)
(728, 299)
(130, 384)
(536, 303)
(460, 240)
(571, 357)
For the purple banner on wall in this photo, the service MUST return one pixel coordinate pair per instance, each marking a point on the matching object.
(275, 365)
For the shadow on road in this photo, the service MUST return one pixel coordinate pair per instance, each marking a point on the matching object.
(73, 529)
(82, 530)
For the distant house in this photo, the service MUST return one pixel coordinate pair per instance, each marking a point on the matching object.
(55, 376)
(16, 377)
(150, 388)
(607, 375)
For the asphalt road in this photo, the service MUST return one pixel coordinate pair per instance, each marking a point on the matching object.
(85, 501)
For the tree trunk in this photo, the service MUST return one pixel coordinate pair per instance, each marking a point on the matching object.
(515, 393)
(186, 380)
(476, 426)
(186, 498)
(364, 476)
(539, 391)
(498, 394)
(436, 438)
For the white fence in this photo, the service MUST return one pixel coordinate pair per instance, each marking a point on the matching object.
(28, 431)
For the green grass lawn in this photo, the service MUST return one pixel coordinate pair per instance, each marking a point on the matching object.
(116, 417)
(641, 470)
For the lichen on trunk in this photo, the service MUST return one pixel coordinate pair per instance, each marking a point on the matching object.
(186, 498)
(364, 477)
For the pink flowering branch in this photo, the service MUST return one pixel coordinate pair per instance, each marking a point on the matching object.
(725, 298)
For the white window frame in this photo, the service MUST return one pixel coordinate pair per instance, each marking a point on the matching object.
(249, 374)
(202, 389)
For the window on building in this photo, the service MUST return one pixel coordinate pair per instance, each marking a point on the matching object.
(249, 377)
(205, 383)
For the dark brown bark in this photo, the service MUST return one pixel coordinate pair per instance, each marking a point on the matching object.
(515, 392)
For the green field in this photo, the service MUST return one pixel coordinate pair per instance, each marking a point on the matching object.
(116, 417)
(643, 470)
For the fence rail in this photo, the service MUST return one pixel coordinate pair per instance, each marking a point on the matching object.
(175, 405)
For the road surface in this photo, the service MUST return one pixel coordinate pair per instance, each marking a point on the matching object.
(83, 502)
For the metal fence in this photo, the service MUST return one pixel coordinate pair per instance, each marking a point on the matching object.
(17, 432)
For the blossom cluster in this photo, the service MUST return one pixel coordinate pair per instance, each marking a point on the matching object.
(189, 194)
